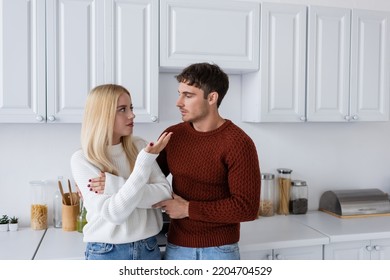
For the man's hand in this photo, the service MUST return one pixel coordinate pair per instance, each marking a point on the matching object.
(176, 208)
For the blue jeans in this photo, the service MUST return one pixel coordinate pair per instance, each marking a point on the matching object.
(224, 252)
(146, 249)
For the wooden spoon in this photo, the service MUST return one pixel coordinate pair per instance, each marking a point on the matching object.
(70, 193)
(62, 192)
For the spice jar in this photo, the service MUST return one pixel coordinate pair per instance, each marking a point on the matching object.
(298, 197)
(284, 184)
(38, 205)
(266, 207)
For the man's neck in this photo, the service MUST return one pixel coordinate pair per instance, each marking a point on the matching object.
(209, 124)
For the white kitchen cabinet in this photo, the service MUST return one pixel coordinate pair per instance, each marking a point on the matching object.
(280, 238)
(52, 54)
(329, 35)
(348, 60)
(131, 52)
(370, 66)
(74, 57)
(276, 93)
(22, 56)
(56, 51)
(378, 249)
(257, 255)
(348, 66)
(225, 32)
(298, 253)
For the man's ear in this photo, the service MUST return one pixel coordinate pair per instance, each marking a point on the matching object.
(212, 97)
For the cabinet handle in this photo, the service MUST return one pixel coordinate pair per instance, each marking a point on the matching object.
(369, 248)
(377, 248)
(279, 257)
(153, 118)
(347, 118)
(303, 118)
(355, 117)
(51, 118)
(269, 257)
(39, 118)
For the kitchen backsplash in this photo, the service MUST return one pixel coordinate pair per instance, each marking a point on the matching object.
(326, 155)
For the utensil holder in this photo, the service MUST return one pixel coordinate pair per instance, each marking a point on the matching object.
(70, 213)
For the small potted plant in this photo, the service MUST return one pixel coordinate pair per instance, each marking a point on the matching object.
(4, 220)
(13, 223)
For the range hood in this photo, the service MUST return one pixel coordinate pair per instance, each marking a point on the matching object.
(355, 203)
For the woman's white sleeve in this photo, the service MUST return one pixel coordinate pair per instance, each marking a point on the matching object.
(156, 190)
(116, 207)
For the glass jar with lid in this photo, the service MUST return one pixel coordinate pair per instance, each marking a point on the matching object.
(38, 205)
(266, 208)
(284, 184)
(298, 197)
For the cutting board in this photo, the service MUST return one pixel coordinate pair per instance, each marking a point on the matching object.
(355, 216)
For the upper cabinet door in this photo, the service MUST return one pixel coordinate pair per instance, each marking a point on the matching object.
(276, 93)
(224, 32)
(370, 66)
(74, 56)
(22, 61)
(282, 63)
(328, 64)
(132, 52)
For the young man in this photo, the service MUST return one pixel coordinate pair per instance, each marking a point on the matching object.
(215, 171)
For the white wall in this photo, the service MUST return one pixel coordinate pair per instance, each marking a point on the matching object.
(326, 155)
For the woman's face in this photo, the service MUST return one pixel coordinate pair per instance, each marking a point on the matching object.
(124, 118)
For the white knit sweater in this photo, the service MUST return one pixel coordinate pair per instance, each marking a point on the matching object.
(123, 213)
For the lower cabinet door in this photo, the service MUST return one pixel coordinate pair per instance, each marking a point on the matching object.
(296, 253)
(299, 253)
(354, 250)
(256, 255)
(380, 249)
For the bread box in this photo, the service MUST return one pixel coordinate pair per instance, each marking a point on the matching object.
(355, 203)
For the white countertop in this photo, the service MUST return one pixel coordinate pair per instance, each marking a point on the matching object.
(261, 234)
(278, 232)
(58, 244)
(20, 244)
(346, 229)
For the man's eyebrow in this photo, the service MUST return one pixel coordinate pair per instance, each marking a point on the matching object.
(186, 92)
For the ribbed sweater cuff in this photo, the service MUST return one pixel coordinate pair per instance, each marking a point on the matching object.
(145, 158)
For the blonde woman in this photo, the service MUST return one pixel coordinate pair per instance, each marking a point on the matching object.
(121, 221)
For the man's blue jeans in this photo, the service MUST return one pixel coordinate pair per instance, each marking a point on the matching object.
(225, 252)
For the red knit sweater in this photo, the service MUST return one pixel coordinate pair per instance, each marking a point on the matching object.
(218, 173)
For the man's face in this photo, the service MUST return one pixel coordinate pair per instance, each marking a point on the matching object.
(192, 104)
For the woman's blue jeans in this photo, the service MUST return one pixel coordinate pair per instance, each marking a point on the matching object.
(224, 252)
(146, 249)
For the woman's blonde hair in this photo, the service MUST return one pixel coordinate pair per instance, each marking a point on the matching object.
(98, 127)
